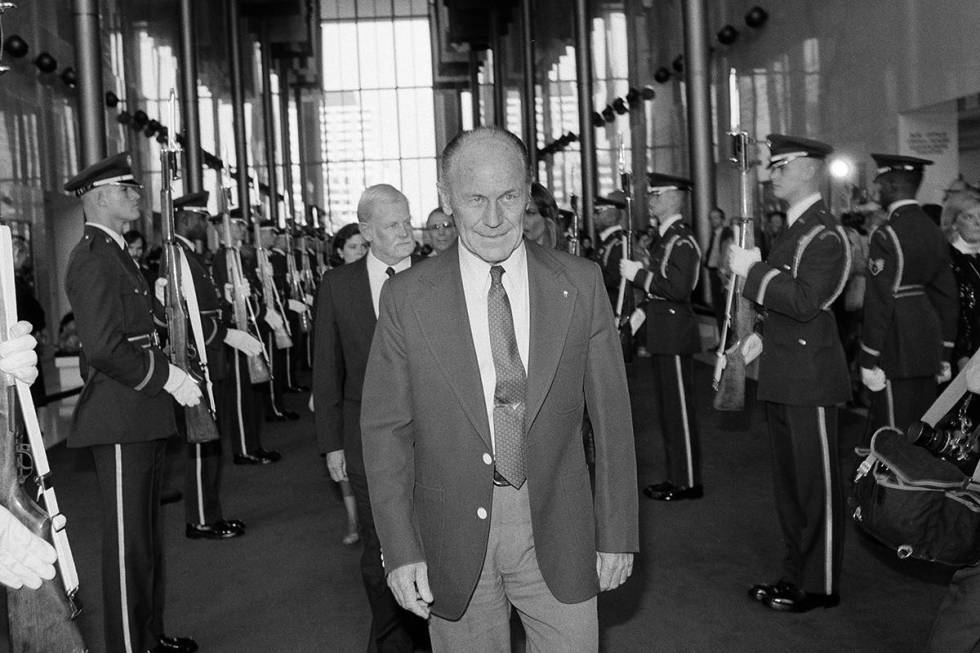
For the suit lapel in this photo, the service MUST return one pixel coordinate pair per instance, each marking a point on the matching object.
(441, 312)
(361, 303)
(552, 300)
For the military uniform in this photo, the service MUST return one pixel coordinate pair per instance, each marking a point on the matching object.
(282, 367)
(123, 416)
(668, 283)
(803, 375)
(910, 311)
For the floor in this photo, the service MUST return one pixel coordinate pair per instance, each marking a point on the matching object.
(289, 585)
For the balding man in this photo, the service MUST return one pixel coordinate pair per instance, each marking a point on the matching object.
(482, 363)
(347, 311)
(441, 231)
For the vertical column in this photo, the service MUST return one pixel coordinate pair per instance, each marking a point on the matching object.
(697, 74)
(269, 125)
(287, 151)
(530, 115)
(475, 86)
(91, 112)
(583, 68)
(637, 116)
(193, 174)
(238, 104)
(499, 90)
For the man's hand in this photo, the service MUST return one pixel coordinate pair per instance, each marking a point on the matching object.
(741, 260)
(25, 559)
(159, 290)
(243, 342)
(751, 348)
(17, 355)
(297, 306)
(628, 268)
(337, 465)
(410, 585)
(183, 387)
(613, 569)
(273, 319)
(945, 373)
(873, 379)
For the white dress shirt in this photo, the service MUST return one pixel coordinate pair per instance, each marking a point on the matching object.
(665, 225)
(794, 212)
(475, 274)
(377, 275)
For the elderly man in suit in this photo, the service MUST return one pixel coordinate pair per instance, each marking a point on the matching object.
(482, 362)
(347, 309)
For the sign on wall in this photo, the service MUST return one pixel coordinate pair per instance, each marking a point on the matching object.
(932, 134)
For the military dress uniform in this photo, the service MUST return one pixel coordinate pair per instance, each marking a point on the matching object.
(668, 284)
(608, 256)
(123, 416)
(282, 364)
(911, 308)
(802, 376)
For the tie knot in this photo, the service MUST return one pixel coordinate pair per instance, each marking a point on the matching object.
(496, 272)
(390, 271)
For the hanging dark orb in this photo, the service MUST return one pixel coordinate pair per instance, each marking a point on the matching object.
(597, 120)
(152, 128)
(572, 137)
(140, 119)
(111, 99)
(68, 77)
(727, 35)
(46, 63)
(162, 135)
(662, 75)
(608, 114)
(15, 46)
(124, 118)
(619, 106)
(648, 93)
(633, 96)
(756, 17)
(678, 64)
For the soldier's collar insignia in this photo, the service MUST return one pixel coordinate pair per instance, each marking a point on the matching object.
(876, 265)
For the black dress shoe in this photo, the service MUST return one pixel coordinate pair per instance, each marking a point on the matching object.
(237, 524)
(763, 592)
(249, 459)
(173, 644)
(298, 388)
(675, 493)
(657, 487)
(802, 601)
(217, 531)
(267, 456)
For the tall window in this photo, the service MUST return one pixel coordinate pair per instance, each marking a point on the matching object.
(377, 117)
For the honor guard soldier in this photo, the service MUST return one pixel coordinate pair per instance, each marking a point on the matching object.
(668, 284)
(279, 358)
(126, 410)
(202, 502)
(911, 304)
(608, 224)
(242, 409)
(802, 374)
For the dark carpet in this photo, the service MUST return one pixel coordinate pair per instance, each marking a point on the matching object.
(289, 585)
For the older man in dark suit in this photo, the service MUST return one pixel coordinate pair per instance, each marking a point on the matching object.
(482, 362)
(347, 308)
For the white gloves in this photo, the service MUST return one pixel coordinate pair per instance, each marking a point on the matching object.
(873, 379)
(751, 348)
(246, 290)
(741, 260)
(297, 306)
(25, 559)
(17, 355)
(945, 373)
(159, 290)
(243, 342)
(273, 319)
(183, 387)
(628, 268)
(308, 298)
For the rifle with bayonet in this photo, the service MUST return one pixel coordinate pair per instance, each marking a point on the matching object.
(270, 294)
(185, 347)
(295, 284)
(729, 373)
(242, 312)
(41, 620)
(574, 245)
(624, 300)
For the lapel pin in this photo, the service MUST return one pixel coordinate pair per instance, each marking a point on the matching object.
(564, 293)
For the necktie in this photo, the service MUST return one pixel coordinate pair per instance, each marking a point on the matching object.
(511, 387)
(390, 271)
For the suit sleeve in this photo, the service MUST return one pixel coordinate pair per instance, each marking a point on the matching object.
(607, 399)
(675, 277)
(388, 438)
(328, 374)
(818, 279)
(943, 292)
(96, 300)
(879, 298)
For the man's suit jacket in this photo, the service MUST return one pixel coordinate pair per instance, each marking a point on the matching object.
(426, 438)
(802, 360)
(344, 325)
(123, 399)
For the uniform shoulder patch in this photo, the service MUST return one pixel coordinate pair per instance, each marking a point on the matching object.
(876, 266)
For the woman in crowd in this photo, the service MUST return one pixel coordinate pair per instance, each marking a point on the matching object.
(964, 234)
(541, 217)
(136, 248)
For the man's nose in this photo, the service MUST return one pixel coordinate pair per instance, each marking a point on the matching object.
(494, 216)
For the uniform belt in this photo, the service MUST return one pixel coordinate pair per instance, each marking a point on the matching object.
(213, 311)
(145, 340)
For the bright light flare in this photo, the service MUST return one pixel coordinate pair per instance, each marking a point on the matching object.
(840, 169)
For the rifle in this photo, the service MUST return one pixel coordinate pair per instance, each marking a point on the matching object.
(574, 246)
(729, 373)
(41, 620)
(624, 300)
(199, 419)
(270, 294)
(295, 283)
(244, 317)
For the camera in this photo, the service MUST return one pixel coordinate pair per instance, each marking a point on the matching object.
(957, 446)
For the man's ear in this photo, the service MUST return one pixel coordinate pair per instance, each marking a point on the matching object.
(366, 231)
(444, 199)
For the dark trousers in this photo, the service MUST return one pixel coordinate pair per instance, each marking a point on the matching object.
(901, 403)
(957, 626)
(240, 415)
(718, 296)
(278, 362)
(390, 625)
(808, 493)
(130, 480)
(682, 448)
(202, 473)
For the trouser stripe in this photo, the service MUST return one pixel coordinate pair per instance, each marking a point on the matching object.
(238, 402)
(272, 376)
(890, 403)
(121, 545)
(828, 489)
(199, 484)
(684, 419)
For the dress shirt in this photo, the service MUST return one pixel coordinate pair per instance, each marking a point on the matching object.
(475, 274)
(899, 204)
(795, 211)
(116, 237)
(377, 275)
(714, 249)
(665, 225)
(963, 247)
